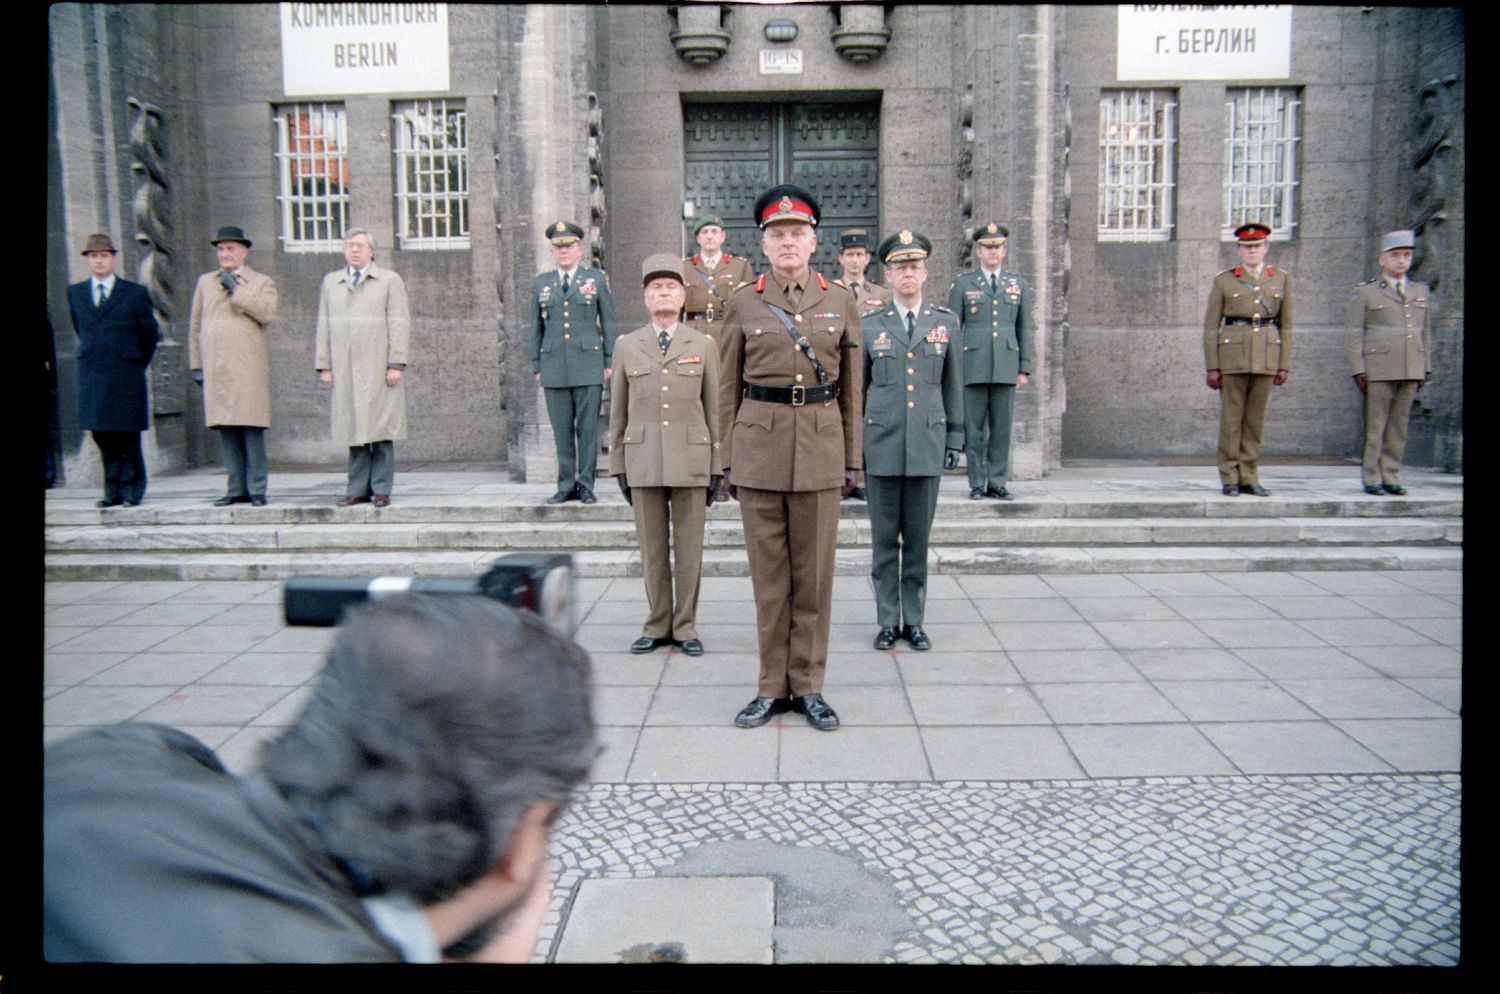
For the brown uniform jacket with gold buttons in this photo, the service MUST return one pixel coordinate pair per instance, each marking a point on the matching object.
(708, 290)
(769, 446)
(664, 409)
(1263, 348)
(1385, 337)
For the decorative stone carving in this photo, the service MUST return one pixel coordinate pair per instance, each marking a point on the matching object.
(597, 212)
(701, 33)
(1433, 164)
(153, 229)
(859, 33)
(965, 177)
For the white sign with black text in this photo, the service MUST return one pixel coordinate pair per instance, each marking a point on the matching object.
(1204, 41)
(337, 49)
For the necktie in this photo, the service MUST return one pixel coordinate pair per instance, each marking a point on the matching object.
(994, 283)
(1401, 290)
(911, 325)
(794, 294)
(665, 340)
(565, 284)
(99, 301)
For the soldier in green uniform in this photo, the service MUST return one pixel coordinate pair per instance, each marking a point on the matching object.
(712, 275)
(913, 430)
(789, 427)
(572, 344)
(1388, 338)
(1247, 347)
(995, 308)
(854, 257)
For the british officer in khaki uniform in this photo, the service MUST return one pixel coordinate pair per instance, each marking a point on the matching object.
(1247, 347)
(712, 275)
(913, 429)
(789, 413)
(1388, 337)
(664, 452)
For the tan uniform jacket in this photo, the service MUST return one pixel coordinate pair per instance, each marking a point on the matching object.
(1385, 337)
(362, 332)
(1249, 348)
(708, 290)
(772, 446)
(868, 295)
(664, 410)
(227, 340)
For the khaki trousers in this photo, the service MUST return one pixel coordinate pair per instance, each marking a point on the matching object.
(1387, 414)
(790, 539)
(1242, 416)
(669, 527)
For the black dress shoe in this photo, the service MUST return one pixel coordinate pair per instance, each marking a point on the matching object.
(918, 638)
(759, 711)
(646, 644)
(999, 493)
(587, 496)
(350, 501)
(692, 647)
(258, 501)
(1374, 491)
(1231, 490)
(1394, 488)
(226, 500)
(108, 502)
(820, 714)
(1254, 488)
(562, 496)
(858, 493)
(130, 503)
(886, 638)
(976, 493)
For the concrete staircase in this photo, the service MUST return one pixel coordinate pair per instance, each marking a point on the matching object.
(453, 521)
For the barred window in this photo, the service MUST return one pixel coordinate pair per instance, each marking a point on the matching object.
(1137, 174)
(432, 174)
(1262, 130)
(312, 161)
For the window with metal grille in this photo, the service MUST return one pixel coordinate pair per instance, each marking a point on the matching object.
(313, 176)
(432, 174)
(1137, 172)
(1262, 130)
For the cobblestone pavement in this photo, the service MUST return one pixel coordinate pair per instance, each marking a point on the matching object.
(1234, 870)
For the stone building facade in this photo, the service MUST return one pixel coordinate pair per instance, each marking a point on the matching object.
(165, 122)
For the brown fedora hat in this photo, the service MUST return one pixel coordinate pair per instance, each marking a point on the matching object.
(99, 242)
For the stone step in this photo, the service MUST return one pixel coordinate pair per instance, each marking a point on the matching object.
(1014, 559)
(726, 532)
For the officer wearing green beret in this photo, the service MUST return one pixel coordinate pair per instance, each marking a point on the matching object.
(995, 308)
(913, 429)
(712, 275)
(572, 343)
(1247, 347)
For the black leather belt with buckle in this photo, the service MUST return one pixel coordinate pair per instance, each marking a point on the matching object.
(1257, 322)
(707, 315)
(796, 396)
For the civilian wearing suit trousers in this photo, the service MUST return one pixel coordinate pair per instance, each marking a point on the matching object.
(664, 452)
(116, 340)
(913, 417)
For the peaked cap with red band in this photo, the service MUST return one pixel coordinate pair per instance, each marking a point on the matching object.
(1253, 233)
(786, 203)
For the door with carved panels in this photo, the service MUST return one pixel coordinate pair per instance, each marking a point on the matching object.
(735, 151)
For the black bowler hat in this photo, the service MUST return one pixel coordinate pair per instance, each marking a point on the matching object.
(229, 233)
(786, 203)
(564, 233)
(992, 234)
(904, 247)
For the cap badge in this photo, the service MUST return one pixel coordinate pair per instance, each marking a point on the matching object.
(905, 237)
(786, 203)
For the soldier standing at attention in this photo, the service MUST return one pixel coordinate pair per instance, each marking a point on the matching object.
(789, 422)
(712, 275)
(913, 430)
(854, 257)
(1247, 347)
(1388, 337)
(572, 342)
(995, 308)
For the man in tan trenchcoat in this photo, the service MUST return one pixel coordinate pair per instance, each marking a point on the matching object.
(664, 452)
(1388, 338)
(364, 326)
(228, 356)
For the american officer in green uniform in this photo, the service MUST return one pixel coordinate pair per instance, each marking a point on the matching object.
(712, 275)
(995, 308)
(854, 257)
(789, 427)
(1247, 347)
(572, 344)
(913, 429)
(1388, 338)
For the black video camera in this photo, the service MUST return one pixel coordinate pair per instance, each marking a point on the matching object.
(540, 582)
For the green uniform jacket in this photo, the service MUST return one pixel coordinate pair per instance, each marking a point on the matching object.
(1387, 338)
(997, 327)
(1262, 349)
(914, 392)
(572, 337)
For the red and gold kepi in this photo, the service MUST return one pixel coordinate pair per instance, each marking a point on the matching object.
(991, 234)
(786, 203)
(1253, 233)
(563, 233)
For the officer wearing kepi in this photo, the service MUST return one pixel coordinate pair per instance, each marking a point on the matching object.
(712, 275)
(789, 423)
(995, 308)
(1247, 348)
(854, 258)
(1388, 338)
(572, 344)
(913, 429)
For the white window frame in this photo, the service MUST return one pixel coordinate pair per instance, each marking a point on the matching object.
(1137, 165)
(312, 148)
(1262, 130)
(432, 173)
